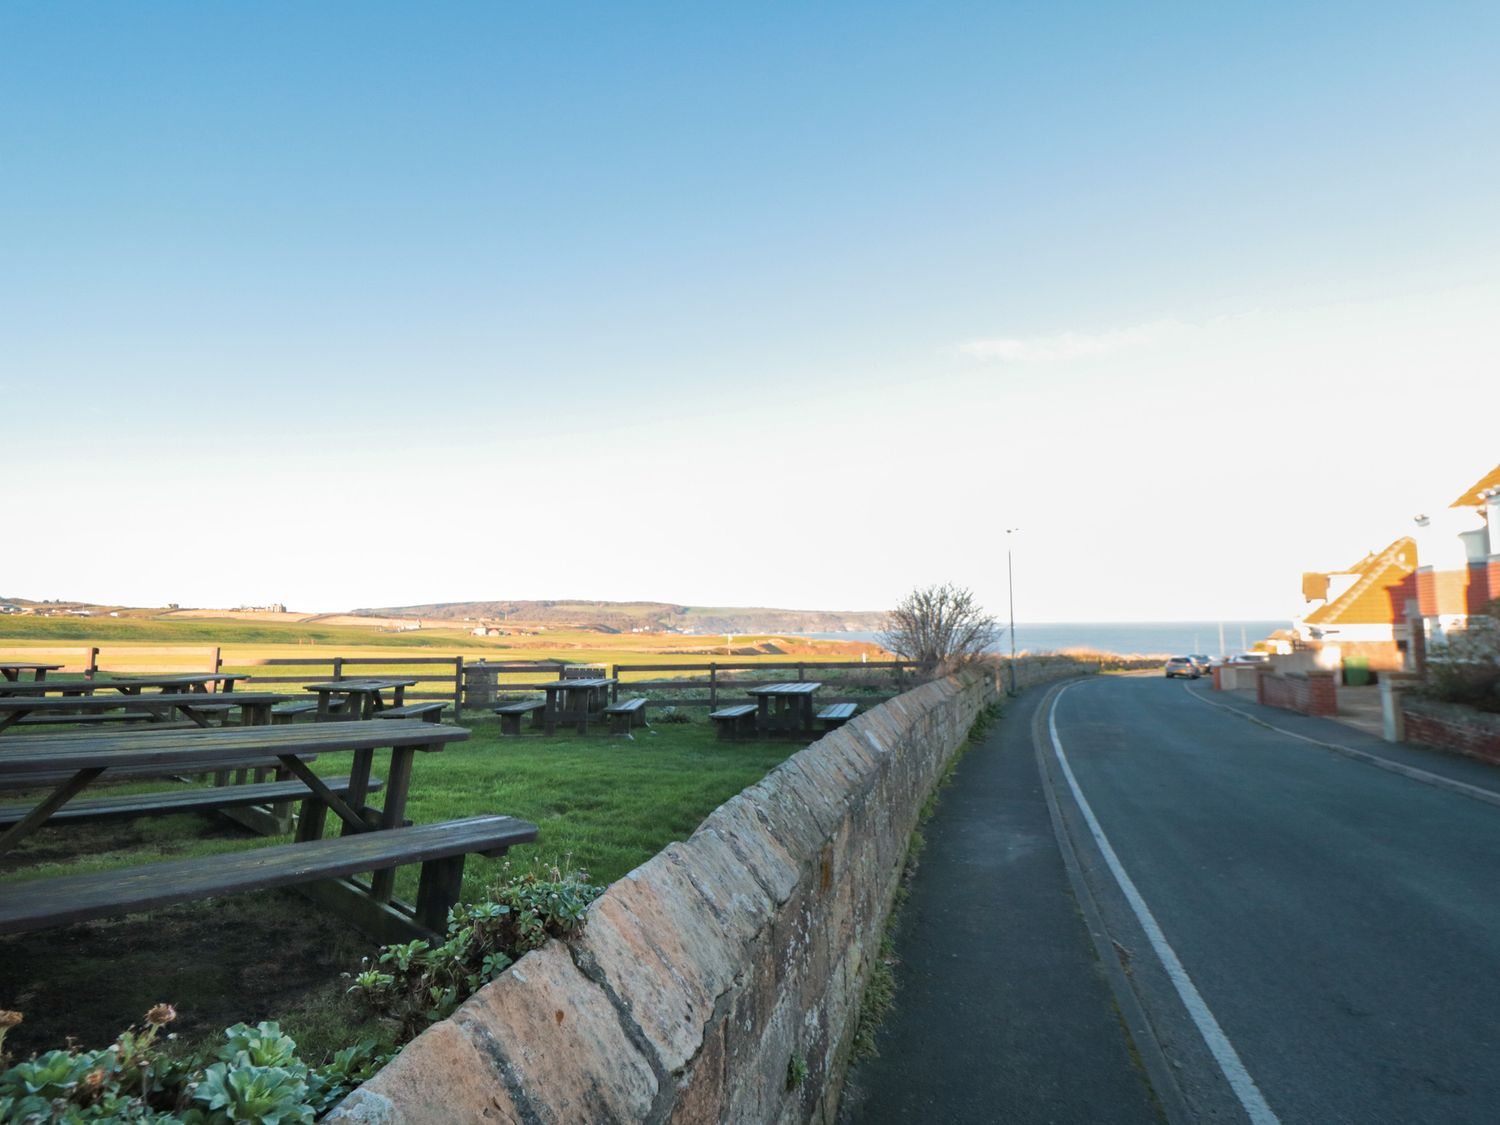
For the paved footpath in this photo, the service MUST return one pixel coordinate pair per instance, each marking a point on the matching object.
(1003, 1012)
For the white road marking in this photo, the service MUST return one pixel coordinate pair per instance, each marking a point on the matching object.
(1438, 781)
(1218, 1043)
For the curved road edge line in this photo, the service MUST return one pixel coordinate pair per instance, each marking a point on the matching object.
(1160, 1072)
(1230, 1065)
(1437, 780)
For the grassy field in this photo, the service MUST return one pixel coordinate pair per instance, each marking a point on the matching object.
(602, 803)
(244, 639)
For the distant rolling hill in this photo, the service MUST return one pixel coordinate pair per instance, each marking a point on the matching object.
(658, 617)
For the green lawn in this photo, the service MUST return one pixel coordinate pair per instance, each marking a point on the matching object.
(602, 803)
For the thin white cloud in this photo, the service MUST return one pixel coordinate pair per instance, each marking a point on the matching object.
(1065, 347)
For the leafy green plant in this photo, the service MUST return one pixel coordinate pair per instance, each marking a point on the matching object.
(671, 714)
(796, 1071)
(418, 982)
(255, 1077)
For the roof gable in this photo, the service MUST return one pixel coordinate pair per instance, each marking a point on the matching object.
(1369, 600)
(1472, 498)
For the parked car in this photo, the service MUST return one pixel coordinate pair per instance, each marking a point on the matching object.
(1181, 666)
(1202, 663)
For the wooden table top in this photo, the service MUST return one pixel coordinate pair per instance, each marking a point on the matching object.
(806, 688)
(27, 666)
(565, 684)
(358, 685)
(197, 750)
(121, 683)
(160, 699)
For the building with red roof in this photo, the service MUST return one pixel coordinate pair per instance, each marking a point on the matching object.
(1361, 611)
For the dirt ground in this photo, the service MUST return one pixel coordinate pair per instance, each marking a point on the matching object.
(270, 955)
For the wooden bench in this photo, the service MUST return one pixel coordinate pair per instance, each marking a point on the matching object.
(732, 722)
(287, 712)
(87, 719)
(439, 848)
(627, 714)
(258, 764)
(180, 801)
(427, 712)
(836, 715)
(157, 708)
(512, 713)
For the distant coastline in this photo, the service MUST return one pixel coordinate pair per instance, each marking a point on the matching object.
(1122, 638)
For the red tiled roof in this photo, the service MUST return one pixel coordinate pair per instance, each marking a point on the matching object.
(1470, 499)
(1369, 601)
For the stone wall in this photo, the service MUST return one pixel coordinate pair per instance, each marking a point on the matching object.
(703, 973)
(1449, 726)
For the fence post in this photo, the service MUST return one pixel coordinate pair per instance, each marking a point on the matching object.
(713, 686)
(458, 687)
(218, 665)
(338, 667)
(801, 672)
(91, 664)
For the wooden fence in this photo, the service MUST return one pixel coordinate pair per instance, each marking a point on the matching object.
(475, 684)
(445, 680)
(87, 660)
(724, 687)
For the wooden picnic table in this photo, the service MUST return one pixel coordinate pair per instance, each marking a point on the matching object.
(357, 699)
(86, 759)
(158, 707)
(127, 685)
(575, 701)
(12, 669)
(784, 708)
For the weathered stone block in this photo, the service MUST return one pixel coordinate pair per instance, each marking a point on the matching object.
(559, 1042)
(442, 1073)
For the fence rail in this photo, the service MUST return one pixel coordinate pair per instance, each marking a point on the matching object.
(452, 675)
(897, 674)
(87, 660)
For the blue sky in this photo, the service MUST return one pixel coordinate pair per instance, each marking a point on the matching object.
(947, 268)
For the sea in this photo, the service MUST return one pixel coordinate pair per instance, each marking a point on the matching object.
(1123, 638)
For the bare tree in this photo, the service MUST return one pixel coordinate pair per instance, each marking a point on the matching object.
(938, 624)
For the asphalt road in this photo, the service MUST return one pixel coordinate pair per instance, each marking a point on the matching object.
(1338, 924)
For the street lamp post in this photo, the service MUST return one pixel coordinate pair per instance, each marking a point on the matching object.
(1010, 583)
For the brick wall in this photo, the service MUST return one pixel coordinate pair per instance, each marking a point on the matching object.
(1477, 594)
(1449, 726)
(706, 970)
(1444, 591)
(1311, 693)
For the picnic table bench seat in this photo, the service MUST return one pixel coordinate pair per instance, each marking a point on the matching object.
(836, 714)
(440, 848)
(45, 778)
(287, 712)
(427, 712)
(732, 722)
(626, 714)
(511, 714)
(181, 800)
(89, 719)
(158, 708)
